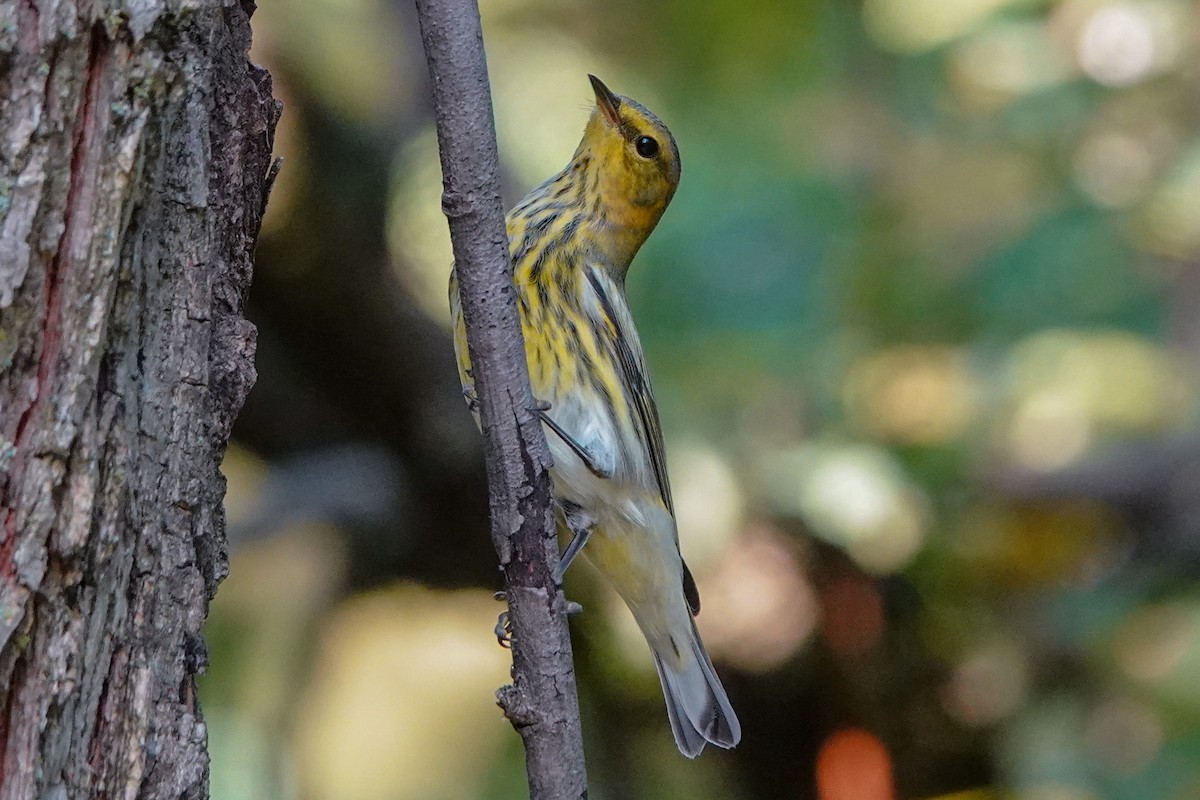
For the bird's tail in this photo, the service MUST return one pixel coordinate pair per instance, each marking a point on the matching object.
(697, 705)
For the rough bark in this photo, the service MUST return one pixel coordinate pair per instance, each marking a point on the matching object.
(135, 142)
(542, 702)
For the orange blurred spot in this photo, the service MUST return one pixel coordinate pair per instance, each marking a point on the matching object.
(854, 765)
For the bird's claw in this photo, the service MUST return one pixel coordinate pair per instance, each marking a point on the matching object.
(471, 397)
(503, 630)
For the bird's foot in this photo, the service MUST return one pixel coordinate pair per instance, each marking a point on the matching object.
(504, 631)
(472, 398)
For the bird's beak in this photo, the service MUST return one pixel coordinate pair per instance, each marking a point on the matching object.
(606, 101)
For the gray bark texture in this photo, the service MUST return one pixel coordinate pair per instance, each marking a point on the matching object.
(542, 702)
(135, 142)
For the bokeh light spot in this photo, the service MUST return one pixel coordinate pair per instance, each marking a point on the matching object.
(1007, 60)
(854, 765)
(759, 607)
(854, 496)
(1123, 735)
(1067, 387)
(1155, 640)
(396, 698)
(1113, 168)
(912, 394)
(708, 500)
(910, 26)
(989, 684)
(1117, 45)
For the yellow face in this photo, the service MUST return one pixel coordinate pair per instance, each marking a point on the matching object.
(635, 157)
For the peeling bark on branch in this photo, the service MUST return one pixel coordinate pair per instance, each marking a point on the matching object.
(135, 142)
(542, 702)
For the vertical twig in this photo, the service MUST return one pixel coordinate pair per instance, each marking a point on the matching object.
(542, 702)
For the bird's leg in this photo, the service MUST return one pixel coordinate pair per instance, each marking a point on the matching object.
(578, 540)
(540, 408)
(580, 527)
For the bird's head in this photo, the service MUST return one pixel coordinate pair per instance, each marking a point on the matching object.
(633, 156)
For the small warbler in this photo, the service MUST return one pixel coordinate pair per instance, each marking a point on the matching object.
(571, 242)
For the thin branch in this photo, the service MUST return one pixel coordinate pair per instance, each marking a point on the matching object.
(542, 702)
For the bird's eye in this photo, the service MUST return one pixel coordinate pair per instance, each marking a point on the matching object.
(646, 147)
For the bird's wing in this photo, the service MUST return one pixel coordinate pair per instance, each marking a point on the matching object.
(636, 386)
(638, 392)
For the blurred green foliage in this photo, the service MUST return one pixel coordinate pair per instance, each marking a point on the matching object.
(923, 326)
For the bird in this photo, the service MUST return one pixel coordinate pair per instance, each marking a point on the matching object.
(571, 241)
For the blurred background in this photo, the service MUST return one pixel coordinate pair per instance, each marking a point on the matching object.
(924, 326)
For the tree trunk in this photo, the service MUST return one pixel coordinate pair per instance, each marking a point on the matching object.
(135, 142)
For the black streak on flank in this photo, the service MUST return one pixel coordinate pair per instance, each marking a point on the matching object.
(585, 370)
(568, 231)
(564, 278)
(543, 224)
(528, 240)
(539, 264)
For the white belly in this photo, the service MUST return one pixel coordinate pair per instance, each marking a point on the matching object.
(593, 430)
